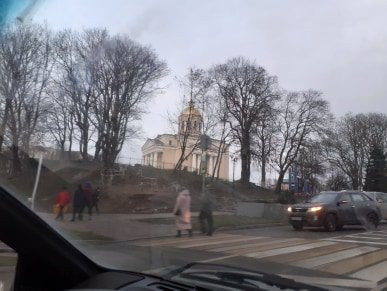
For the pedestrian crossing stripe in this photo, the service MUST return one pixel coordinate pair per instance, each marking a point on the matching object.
(315, 262)
(375, 238)
(178, 241)
(342, 255)
(207, 243)
(281, 251)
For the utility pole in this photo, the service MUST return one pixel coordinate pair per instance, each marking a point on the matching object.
(37, 178)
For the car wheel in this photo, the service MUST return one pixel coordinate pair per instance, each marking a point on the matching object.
(372, 220)
(330, 223)
(297, 226)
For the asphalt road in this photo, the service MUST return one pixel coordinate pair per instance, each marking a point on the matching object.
(350, 257)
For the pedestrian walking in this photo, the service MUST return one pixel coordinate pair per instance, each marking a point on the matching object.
(182, 212)
(95, 199)
(88, 197)
(62, 200)
(78, 203)
(205, 215)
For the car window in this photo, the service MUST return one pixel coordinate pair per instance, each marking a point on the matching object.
(345, 197)
(324, 198)
(382, 196)
(357, 197)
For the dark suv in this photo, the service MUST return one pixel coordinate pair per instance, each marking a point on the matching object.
(335, 209)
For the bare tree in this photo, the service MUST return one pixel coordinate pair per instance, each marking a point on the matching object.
(337, 181)
(60, 123)
(264, 139)
(302, 117)
(197, 88)
(246, 89)
(310, 164)
(75, 76)
(225, 136)
(350, 140)
(25, 68)
(126, 75)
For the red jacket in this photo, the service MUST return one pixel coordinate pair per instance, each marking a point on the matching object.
(63, 198)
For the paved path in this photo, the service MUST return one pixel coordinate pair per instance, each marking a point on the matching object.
(119, 227)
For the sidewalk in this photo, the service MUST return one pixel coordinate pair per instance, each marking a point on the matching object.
(118, 227)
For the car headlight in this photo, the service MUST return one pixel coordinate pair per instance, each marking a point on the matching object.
(314, 209)
(289, 209)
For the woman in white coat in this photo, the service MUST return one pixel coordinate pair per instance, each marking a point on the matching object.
(182, 212)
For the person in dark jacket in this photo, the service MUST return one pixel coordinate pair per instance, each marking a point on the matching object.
(205, 216)
(88, 196)
(95, 199)
(78, 203)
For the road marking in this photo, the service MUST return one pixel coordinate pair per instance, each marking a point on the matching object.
(372, 234)
(335, 257)
(237, 244)
(266, 245)
(331, 281)
(362, 237)
(374, 273)
(182, 240)
(292, 257)
(218, 259)
(357, 241)
(353, 264)
(288, 250)
(219, 242)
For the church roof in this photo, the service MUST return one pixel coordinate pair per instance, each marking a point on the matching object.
(191, 110)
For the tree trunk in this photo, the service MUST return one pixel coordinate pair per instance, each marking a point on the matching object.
(220, 161)
(4, 123)
(71, 131)
(263, 162)
(245, 158)
(97, 150)
(355, 183)
(16, 164)
(85, 143)
(279, 181)
(263, 173)
(62, 151)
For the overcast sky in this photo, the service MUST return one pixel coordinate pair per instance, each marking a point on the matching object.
(337, 47)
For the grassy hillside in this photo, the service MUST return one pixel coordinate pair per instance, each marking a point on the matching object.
(129, 193)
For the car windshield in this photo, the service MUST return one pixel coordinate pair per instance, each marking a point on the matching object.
(324, 198)
(153, 134)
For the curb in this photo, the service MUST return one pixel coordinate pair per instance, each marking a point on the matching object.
(196, 233)
(251, 226)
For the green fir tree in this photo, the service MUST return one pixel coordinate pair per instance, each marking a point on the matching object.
(375, 179)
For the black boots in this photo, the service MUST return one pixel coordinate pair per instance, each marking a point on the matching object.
(178, 234)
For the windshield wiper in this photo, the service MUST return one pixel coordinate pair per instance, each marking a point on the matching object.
(238, 278)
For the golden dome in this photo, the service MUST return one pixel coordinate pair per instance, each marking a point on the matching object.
(191, 111)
